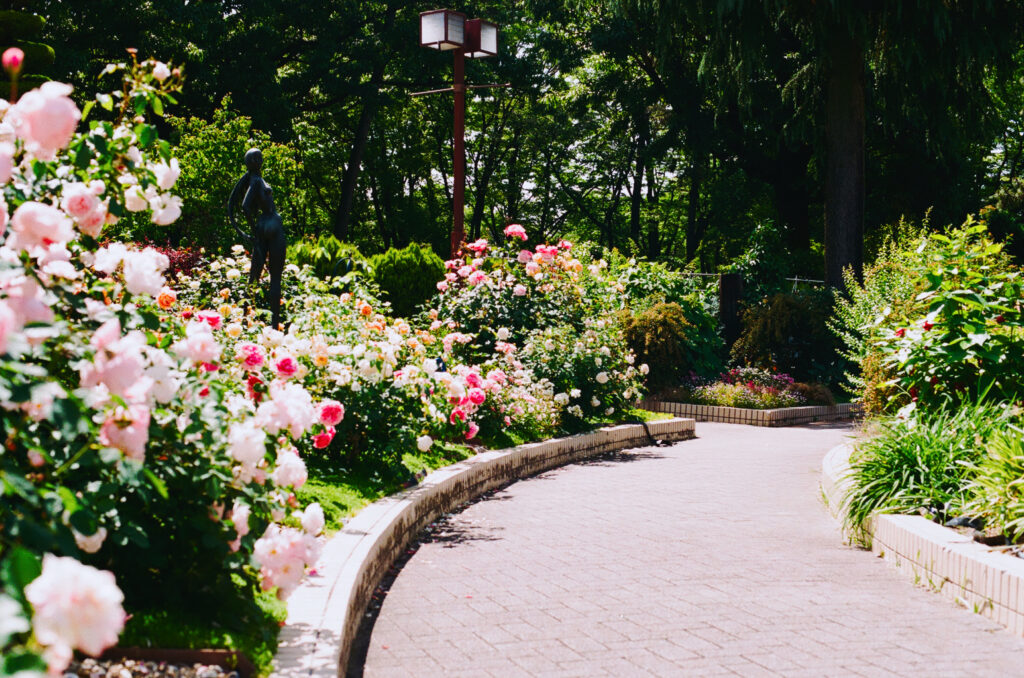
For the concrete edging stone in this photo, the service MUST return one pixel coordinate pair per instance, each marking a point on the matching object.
(973, 575)
(785, 416)
(324, 613)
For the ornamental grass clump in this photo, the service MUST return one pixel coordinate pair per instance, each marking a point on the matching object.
(924, 464)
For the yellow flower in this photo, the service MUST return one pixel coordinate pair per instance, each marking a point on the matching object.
(234, 330)
(225, 309)
(321, 360)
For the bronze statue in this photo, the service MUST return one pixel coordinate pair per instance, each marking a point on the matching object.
(266, 238)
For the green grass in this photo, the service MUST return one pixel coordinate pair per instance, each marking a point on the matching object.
(255, 637)
(342, 491)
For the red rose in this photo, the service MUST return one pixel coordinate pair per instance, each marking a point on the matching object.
(900, 332)
(927, 325)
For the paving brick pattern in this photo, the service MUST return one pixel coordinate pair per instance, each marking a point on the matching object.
(711, 557)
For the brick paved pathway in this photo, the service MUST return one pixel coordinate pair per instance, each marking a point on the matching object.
(711, 557)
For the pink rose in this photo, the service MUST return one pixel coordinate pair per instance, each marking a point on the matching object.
(166, 174)
(532, 267)
(79, 200)
(457, 415)
(211, 318)
(199, 346)
(477, 396)
(515, 231)
(473, 430)
(322, 440)
(92, 223)
(250, 354)
(36, 225)
(240, 517)
(13, 58)
(128, 431)
(143, 271)
(478, 246)
(442, 286)
(473, 379)
(331, 412)
(290, 470)
(465, 271)
(46, 119)
(524, 256)
(476, 277)
(286, 366)
(75, 606)
(519, 290)
(6, 162)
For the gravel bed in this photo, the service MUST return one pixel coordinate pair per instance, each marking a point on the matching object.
(128, 668)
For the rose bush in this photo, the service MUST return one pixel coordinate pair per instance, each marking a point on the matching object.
(127, 448)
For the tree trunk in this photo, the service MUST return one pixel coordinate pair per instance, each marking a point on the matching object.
(637, 197)
(693, 234)
(343, 215)
(844, 173)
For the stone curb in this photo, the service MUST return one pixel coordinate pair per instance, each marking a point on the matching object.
(785, 416)
(973, 575)
(324, 613)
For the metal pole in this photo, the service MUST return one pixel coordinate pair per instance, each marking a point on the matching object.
(459, 154)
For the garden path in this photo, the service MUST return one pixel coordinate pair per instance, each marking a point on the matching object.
(711, 557)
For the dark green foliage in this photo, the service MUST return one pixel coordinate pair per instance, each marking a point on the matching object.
(1006, 219)
(23, 30)
(675, 340)
(788, 332)
(327, 256)
(408, 277)
(766, 263)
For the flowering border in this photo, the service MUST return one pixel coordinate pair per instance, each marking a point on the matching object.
(324, 613)
(784, 416)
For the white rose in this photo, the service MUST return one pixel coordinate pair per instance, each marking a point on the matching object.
(424, 442)
(503, 334)
(90, 543)
(602, 377)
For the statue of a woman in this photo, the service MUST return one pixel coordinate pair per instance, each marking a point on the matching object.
(266, 238)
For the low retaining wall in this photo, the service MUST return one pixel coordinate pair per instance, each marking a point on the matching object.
(786, 416)
(973, 575)
(324, 613)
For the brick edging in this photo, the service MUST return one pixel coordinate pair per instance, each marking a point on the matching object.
(784, 416)
(324, 613)
(971, 574)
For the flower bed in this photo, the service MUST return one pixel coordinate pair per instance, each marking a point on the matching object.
(164, 443)
(789, 416)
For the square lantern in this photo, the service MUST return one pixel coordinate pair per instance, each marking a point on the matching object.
(442, 29)
(481, 38)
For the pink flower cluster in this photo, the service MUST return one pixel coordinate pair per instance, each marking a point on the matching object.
(284, 553)
(74, 607)
(515, 231)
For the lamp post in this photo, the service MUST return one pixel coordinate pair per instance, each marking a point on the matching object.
(446, 30)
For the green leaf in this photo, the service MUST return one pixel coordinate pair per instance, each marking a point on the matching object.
(19, 569)
(158, 105)
(106, 101)
(86, 109)
(158, 484)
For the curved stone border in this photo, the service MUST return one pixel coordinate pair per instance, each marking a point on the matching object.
(784, 416)
(324, 613)
(975, 576)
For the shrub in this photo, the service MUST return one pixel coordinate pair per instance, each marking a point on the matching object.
(591, 372)
(920, 464)
(788, 333)
(814, 393)
(126, 445)
(674, 342)
(328, 256)
(963, 333)
(408, 277)
(889, 286)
